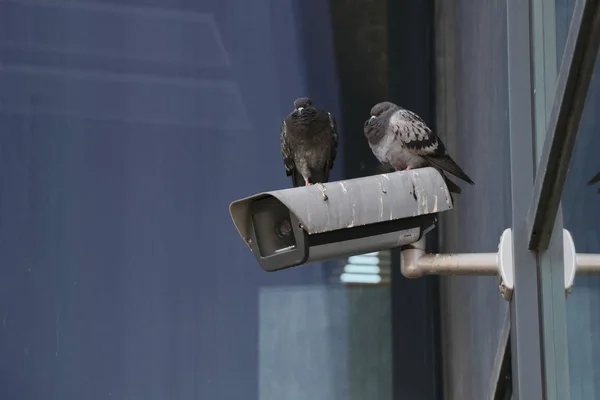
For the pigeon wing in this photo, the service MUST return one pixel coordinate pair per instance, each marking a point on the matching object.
(334, 140)
(414, 133)
(288, 157)
(443, 160)
(417, 137)
(286, 151)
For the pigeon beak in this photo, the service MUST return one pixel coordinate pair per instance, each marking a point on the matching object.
(372, 116)
(300, 109)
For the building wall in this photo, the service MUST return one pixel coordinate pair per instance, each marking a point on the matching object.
(126, 129)
(472, 119)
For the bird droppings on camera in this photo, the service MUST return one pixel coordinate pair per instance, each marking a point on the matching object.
(350, 202)
(413, 192)
(446, 194)
(323, 190)
(343, 188)
(351, 224)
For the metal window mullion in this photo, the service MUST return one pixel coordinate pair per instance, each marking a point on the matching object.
(555, 370)
(572, 86)
(544, 48)
(554, 317)
(501, 369)
(524, 307)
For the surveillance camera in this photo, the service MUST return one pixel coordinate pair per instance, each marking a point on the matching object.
(290, 227)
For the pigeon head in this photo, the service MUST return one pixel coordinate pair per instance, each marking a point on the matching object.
(381, 108)
(301, 103)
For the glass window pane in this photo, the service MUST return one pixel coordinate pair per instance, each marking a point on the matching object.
(551, 22)
(563, 14)
(581, 212)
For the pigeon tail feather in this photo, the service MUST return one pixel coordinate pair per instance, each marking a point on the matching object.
(447, 164)
(452, 187)
(297, 178)
(595, 179)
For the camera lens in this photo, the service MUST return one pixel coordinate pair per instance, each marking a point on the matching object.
(273, 227)
(284, 230)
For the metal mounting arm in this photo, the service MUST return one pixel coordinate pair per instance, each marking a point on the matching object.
(415, 263)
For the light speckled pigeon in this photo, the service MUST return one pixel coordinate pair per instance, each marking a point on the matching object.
(309, 141)
(400, 138)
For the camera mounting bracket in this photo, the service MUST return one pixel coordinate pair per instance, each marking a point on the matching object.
(415, 263)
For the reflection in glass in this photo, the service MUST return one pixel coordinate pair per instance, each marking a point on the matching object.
(324, 342)
(550, 27)
(365, 270)
(581, 212)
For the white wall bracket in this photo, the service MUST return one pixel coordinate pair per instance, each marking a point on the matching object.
(415, 263)
(577, 264)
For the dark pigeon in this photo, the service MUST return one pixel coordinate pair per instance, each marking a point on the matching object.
(309, 141)
(400, 138)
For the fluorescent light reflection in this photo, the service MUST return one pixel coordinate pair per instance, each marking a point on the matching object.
(362, 269)
(360, 278)
(366, 269)
(364, 259)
